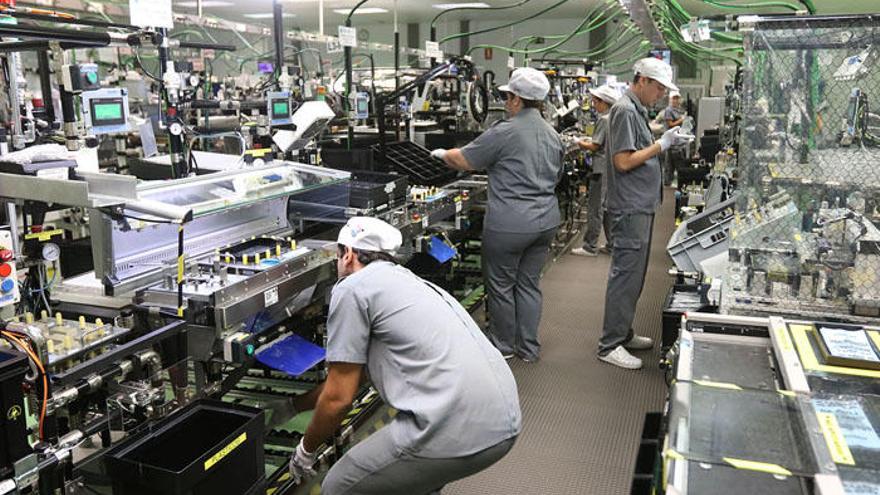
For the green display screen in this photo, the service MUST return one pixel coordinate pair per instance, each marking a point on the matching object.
(280, 109)
(107, 111)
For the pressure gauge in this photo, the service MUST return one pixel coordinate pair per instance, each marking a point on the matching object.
(175, 128)
(194, 80)
(51, 252)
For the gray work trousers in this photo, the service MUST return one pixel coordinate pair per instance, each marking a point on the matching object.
(596, 218)
(626, 277)
(377, 466)
(512, 265)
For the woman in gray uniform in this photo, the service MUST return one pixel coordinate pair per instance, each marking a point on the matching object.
(523, 157)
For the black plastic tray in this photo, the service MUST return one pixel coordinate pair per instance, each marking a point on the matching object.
(415, 161)
(207, 448)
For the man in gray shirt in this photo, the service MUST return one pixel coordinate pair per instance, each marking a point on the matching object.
(457, 402)
(523, 157)
(603, 98)
(676, 157)
(633, 197)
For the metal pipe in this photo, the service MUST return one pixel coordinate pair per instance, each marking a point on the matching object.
(278, 35)
(55, 34)
(46, 84)
(60, 17)
(201, 45)
(347, 98)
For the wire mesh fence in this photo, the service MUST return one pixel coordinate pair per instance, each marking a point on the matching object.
(805, 240)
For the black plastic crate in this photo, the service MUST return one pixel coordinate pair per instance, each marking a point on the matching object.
(371, 189)
(207, 448)
(416, 162)
(673, 310)
(13, 428)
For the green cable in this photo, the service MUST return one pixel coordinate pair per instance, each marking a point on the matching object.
(488, 30)
(500, 7)
(726, 38)
(636, 54)
(608, 43)
(565, 39)
(533, 37)
(722, 5)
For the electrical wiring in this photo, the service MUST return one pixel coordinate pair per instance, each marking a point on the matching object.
(565, 38)
(351, 12)
(502, 26)
(456, 9)
(768, 4)
(137, 59)
(20, 340)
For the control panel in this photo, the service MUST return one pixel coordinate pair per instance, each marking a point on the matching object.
(81, 77)
(8, 281)
(279, 107)
(105, 111)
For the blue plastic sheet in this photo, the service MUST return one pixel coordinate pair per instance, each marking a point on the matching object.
(441, 251)
(293, 355)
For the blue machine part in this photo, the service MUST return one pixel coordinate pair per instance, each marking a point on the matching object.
(440, 251)
(293, 355)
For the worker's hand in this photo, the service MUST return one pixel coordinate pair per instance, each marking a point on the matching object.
(673, 137)
(302, 464)
(439, 153)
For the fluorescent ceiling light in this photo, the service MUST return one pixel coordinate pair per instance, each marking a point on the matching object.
(206, 3)
(266, 15)
(472, 5)
(365, 10)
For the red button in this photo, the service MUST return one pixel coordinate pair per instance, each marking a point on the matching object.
(5, 255)
(5, 270)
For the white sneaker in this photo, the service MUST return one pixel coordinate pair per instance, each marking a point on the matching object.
(583, 252)
(620, 357)
(639, 343)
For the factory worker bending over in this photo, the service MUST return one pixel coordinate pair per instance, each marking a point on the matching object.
(457, 403)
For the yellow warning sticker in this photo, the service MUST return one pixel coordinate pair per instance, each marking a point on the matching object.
(45, 235)
(783, 339)
(763, 467)
(837, 445)
(724, 385)
(225, 451)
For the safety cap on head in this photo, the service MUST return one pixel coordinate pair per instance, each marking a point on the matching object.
(370, 234)
(673, 94)
(528, 84)
(606, 93)
(657, 70)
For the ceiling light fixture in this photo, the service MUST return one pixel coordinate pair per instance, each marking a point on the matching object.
(266, 15)
(471, 5)
(365, 10)
(206, 3)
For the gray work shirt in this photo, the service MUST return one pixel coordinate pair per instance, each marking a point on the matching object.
(427, 358)
(636, 191)
(672, 113)
(600, 138)
(523, 158)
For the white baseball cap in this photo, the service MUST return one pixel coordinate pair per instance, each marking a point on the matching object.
(527, 83)
(656, 69)
(370, 234)
(673, 94)
(605, 93)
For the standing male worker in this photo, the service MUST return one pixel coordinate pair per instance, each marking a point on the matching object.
(457, 403)
(634, 196)
(603, 98)
(674, 116)
(523, 157)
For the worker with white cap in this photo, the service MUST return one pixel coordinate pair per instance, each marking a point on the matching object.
(522, 156)
(457, 402)
(676, 156)
(603, 98)
(634, 194)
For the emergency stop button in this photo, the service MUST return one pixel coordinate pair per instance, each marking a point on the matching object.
(5, 255)
(5, 270)
(7, 286)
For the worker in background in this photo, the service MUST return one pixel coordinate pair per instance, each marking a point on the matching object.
(523, 157)
(633, 198)
(603, 98)
(457, 402)
(676, 157)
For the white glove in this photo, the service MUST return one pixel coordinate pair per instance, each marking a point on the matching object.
(302, 464)
(439, 153)
(673, 137)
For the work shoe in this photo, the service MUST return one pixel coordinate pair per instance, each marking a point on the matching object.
(620, 357)
(583, 252)
(528, 359)
(507, 357)
(606, 249)
(639, 343)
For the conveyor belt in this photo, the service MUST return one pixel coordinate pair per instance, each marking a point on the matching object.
(582, 418)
